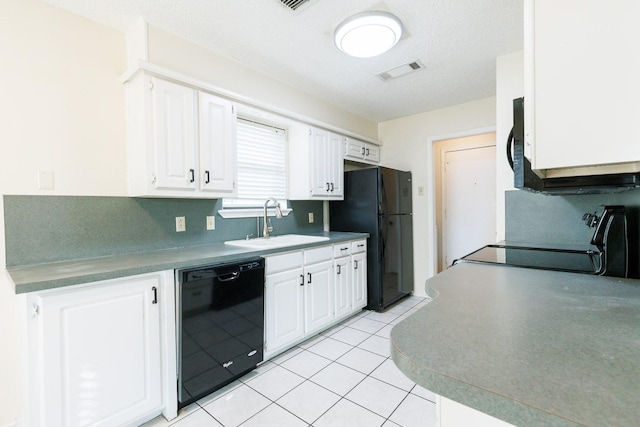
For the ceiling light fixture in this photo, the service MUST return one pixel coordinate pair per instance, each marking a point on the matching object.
(368, 34)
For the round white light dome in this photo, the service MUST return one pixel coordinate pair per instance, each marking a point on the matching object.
(368, 34)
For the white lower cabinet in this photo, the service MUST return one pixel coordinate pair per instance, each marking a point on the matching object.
(359, 273)
(308, 291)
(103, 353)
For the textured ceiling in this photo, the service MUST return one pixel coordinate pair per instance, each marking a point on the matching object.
(457, 41)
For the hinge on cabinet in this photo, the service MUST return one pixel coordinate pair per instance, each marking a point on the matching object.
(150, 85)
(35, 310)
(153, 179)
(310, 132)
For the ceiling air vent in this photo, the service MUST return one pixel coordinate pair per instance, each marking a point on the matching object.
(400, 70)
(293, 4)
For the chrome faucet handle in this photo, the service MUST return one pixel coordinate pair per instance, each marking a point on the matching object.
(248, 236)
(269, 226)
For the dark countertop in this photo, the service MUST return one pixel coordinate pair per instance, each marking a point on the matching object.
(40, 277)
(530, 347)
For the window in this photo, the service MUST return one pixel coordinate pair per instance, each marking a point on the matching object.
(261, 166)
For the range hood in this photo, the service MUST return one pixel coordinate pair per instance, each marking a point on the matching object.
(526, 179)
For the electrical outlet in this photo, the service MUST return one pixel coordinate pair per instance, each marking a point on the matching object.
(211, 223)
(181, 224)
(420, 191)
(310, 217)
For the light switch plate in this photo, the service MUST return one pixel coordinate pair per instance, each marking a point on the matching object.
(211, 222)
(45, 180)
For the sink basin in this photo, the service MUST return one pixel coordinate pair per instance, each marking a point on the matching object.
(276, 241)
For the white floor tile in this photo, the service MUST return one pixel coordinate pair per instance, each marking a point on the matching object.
(216, 394)
(390, 424)
(385, 332)
(389, 373)
(385, 317)
(378, 345)
(377, 396)
(348, 414)
(161, 421)
(330, 348)
(274, 416)
(308, 401)
(258, 371)
(398, 320)
(338, 378)
(424, 393)
(415, 411)
(367, 325)
(286, 355)
(332, 330)
(275, 383)
(361, 360)
(312, 341)
(398, 309)
(199, 418)
(350, 336)
(237, 406)
(305, 363)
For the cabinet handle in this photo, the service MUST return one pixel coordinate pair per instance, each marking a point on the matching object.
(206, 177)
(355, 264)
(155, 295)
(327, 186)
(192, 172)
(332, 187)
(363, 151)
(302, 280)
(367, 151)
(361, 245)
(309, 278)
(339, 269)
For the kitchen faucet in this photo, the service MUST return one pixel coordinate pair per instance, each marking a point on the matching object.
(267, 228)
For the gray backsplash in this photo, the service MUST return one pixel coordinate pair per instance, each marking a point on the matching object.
(538, 218)
(42, 229)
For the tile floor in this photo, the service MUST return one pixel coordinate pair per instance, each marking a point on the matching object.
(342, 377)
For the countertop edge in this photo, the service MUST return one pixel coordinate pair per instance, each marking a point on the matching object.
(42, 277)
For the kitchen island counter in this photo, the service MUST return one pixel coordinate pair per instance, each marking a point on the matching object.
(31, 278)
(530, 347)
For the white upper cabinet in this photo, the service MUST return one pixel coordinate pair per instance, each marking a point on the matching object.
(217, 118)
(361, 151)
(582, 64)
(316, 165)
(181, 141)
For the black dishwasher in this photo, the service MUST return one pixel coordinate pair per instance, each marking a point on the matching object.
(220, 325)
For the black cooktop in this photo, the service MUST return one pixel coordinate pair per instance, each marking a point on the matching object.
(578, 261)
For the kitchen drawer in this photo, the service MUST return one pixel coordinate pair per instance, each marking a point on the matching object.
(342, 249)
(283, 262)
(312, 256)
(358, 246)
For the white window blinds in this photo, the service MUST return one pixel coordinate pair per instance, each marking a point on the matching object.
(261, 164)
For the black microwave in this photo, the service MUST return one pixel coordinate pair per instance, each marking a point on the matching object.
(526, 179)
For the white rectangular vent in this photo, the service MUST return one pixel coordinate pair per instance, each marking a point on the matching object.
(293, 4)
(400, 70)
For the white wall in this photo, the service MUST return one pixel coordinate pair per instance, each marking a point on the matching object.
(509, 85)
(408, 146)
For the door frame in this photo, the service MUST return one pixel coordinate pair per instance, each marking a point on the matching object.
(432, 236)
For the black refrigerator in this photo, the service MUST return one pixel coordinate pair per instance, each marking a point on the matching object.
(378, 201)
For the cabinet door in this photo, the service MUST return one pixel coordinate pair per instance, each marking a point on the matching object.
(320, 185)
(318, 296)
(354, 149)
(284, 319)
(334, 166)
(359, 280)
(100, 353)
(372, 153)
(174, 125)
(343, 286)
(217, 121)
(581, 84)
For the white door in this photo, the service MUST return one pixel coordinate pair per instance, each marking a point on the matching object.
(100, 353)
(217, 144)
(359, 280)
(343, 286)
(284, 318)
(318, 296)
(335, 165)
(469, 199)
(174, 119)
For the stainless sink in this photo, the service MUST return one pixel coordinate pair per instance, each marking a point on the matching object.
(277, 241)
